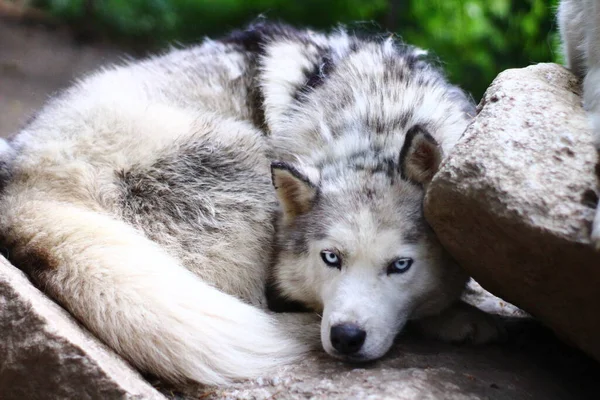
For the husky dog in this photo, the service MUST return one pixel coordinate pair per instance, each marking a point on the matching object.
(579, 25)
(141, 199)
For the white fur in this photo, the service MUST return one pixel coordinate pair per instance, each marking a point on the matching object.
(284, 65)
(350, 129)
(142, 303)
(135, 295)
(351, 297)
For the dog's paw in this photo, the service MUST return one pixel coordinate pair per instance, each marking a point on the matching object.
(462, 323)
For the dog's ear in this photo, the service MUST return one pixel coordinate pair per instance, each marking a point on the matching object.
(294, 189)
(420, 156)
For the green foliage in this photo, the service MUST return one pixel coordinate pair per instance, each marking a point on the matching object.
(188, 20)
(475, 39)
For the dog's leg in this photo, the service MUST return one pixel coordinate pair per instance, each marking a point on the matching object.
(141, 301)
(461, 323)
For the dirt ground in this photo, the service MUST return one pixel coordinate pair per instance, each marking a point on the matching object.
(37, 61)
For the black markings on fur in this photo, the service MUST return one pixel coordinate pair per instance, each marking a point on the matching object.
(254, 40)
(411, 60)
(415, 61)
(388, 167)
(373, 163)
(404, 118)
(316, 77)
(382, 126)
(369, 160)
(305, 228)
(412, 236)
(293, 239)
(278, 165)
(414, 233)
(279, 303)
(257, 35)
(256, 98)
(303, 231)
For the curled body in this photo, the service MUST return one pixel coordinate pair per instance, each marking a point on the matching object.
(155, 201)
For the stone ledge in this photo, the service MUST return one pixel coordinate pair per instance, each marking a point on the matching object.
(45, 354)
(514, 201)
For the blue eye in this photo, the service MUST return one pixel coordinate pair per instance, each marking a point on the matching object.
(399, 266)
(331, 259)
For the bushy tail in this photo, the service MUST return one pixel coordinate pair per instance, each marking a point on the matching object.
(141, 302)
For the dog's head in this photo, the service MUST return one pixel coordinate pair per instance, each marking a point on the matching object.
(353, 244)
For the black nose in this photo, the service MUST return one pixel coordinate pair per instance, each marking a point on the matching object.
(347, 338)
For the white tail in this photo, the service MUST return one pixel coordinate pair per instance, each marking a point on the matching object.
(142, 303)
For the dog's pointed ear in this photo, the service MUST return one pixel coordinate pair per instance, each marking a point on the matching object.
(294, 189)
(420, 156)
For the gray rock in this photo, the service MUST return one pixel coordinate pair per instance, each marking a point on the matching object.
(532, 364)
(415, 369)
(45, 354)
(514, 201)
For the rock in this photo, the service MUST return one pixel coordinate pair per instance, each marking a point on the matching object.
(514, 201)
(419, 369)
(532, 364)
(45, 354)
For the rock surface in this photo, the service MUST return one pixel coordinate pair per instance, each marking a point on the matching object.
(44, 354)
(532, 364)
(514, 201)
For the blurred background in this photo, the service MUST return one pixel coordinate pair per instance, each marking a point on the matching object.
(473, 39)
